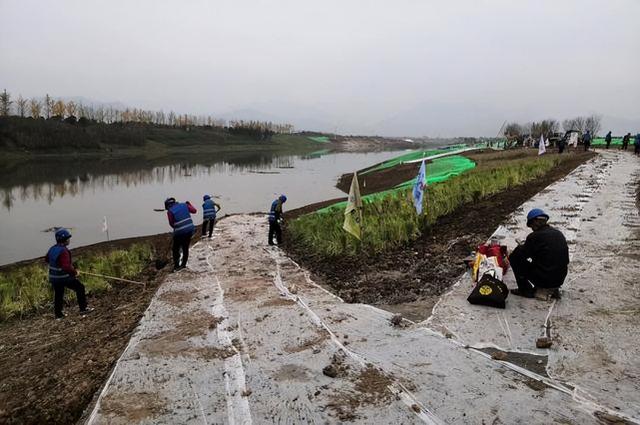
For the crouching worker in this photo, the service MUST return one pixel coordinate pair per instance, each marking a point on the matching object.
(62, 274)
(541, 261)
(275, 217)
(209, 211)
(179, 215)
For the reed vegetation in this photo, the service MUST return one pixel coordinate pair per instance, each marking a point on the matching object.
(25, 289)
(391, 220)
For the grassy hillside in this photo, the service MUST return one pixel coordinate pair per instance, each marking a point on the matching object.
(27, 135)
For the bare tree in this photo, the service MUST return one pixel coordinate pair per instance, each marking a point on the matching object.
(21, 106)
(71, 108)
(99, 114)
(568, 124)
(5, 103)
(513, 130)
(58, 108)
(35, 107)
(593, 123)
(48, 105)
(580, 124)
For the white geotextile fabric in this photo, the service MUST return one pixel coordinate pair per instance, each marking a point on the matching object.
(283, 329)
(595, 324)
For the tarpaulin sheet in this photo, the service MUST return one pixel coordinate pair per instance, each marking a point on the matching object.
(439, 170)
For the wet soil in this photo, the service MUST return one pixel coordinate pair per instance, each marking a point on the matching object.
(409, 279)
(532, 362)
(52, 369)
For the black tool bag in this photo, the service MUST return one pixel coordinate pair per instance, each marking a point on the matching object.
(489, 291)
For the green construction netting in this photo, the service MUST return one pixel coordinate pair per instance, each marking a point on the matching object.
(441, 169)
(319, 139)
(403, 158)
(600, 141)
(438, 170)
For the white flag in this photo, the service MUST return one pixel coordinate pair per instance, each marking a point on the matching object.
(418, 188)
(105, 227)
(541, 148)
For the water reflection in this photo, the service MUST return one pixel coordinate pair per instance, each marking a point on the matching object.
(79, 193)
(48, 180)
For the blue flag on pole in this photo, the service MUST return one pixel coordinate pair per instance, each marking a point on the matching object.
(418, 188)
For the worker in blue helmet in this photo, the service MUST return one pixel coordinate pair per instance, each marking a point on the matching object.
(179, 215)
(63, 274)
(209, 211)
(275, 218)
(542, 260)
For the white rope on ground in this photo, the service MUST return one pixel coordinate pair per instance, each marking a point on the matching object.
(238, 409)
(396, 388)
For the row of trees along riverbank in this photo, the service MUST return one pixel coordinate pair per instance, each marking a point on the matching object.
(54, 124)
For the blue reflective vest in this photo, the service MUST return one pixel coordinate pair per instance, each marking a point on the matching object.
(56, 274)
(276, 210)
(182, 223)
(208, 210)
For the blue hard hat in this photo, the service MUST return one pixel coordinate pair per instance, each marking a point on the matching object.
(535, 213)
(205, 197)
(168, 202)
(283, 198)
(62, 235)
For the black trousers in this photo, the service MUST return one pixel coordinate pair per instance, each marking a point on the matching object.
(181, 242)
(526, 273)
(586, 146)
(58, 294)
(274, 229)
(208, 222)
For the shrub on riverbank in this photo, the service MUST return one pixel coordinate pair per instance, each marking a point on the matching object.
(26, 288)
(392, 220)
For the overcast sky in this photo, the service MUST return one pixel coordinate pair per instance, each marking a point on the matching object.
(395, 67)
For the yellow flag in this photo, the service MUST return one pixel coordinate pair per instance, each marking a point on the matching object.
(353, 212)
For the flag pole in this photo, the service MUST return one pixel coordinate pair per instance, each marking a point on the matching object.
(105, 228)
(366, 264)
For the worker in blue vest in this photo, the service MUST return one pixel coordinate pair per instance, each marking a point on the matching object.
(62, 274)
(209, 211)
(179, 215)
(275, 218)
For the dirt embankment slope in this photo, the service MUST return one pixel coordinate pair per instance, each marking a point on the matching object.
(51, 369)
(409, 279)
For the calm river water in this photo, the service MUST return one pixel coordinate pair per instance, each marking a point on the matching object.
(79, 193)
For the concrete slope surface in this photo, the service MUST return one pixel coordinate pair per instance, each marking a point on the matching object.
(244, 335)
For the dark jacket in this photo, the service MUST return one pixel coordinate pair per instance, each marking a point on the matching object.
(549, 251)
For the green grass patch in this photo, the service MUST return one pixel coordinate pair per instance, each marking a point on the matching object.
(27, 288)
(391, 220)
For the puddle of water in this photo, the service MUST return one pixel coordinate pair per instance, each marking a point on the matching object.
(78, 193)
